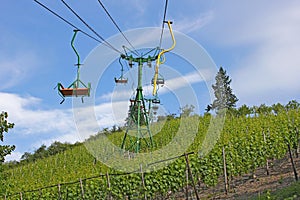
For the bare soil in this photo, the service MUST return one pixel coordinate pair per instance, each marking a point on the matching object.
(248, 185)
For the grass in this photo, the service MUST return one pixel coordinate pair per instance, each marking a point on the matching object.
(289, 193)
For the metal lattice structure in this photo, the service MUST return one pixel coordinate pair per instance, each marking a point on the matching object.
(139, 116)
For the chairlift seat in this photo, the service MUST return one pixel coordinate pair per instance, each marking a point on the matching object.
(155, 108)
(159, 81)
(156, 101)
(121, 80)
(73, 91)
(68, 92)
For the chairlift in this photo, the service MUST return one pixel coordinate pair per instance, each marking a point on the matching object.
(74, 90)
(155, 108)
(156, 101)
(132, 100)
(159, 81)
(121, 79)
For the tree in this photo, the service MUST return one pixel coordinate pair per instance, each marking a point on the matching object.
(187, 110)
(244, 110)
(278, 108)
(41, 152)
(292, 105)
(4, 149)
(225, 98)
(4, 128)
(263, 109)
(57, 147)
(26, 157)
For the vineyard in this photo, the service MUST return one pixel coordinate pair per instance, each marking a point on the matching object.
(246, 143)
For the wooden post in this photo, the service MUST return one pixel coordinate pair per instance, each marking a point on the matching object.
(198, 181)
(298, 143)
(21, 196)
(82, 190)
(40, 193)
(59, 193)
(143, 181)
(225, 171)
(5, 197)
(108, 185)
(292, 161)
(267, 161)
(191, 175)
(187, 183)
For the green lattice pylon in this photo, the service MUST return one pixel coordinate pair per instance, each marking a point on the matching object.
(138, 118)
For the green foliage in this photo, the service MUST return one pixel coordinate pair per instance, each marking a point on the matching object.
(43, 151)
(289, 193)
(4, 128)
(248, 143)
(4, 149)
(225, 98)
(187, 110)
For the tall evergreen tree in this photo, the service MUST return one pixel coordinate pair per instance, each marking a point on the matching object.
(225, 98)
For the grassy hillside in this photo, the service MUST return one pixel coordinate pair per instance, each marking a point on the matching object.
(248, 142)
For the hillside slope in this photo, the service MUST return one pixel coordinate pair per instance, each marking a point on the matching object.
(248, 142)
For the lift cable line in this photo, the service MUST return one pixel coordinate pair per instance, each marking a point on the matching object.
(163, 23)
(115, 23)
(66, 21)
(87, 25)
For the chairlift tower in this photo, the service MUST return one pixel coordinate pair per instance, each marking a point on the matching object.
(138, 114)
(138, 117)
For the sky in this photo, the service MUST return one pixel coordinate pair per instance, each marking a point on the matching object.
(257, 42)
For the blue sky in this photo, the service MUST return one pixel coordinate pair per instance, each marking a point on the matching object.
(257, 42)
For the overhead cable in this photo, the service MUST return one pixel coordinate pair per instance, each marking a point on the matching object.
(107, 43)
(114, 22)
(163, 23)
(66, 21)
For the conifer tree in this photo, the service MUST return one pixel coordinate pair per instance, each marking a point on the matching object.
(224, 96)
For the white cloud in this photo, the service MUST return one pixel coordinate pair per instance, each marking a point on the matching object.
(33, 126)
(190, 24)
(116, 95)
(46, 126)
(14, 69)
(272, 69)
(30, 121)
(188, 79)
(15, 155)
(264, 40)
(173, 84)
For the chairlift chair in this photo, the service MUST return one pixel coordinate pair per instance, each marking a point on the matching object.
(132, 100)
(156, 101)
(155, 108)
(121, 79)
(159, 81)
(74, 90)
